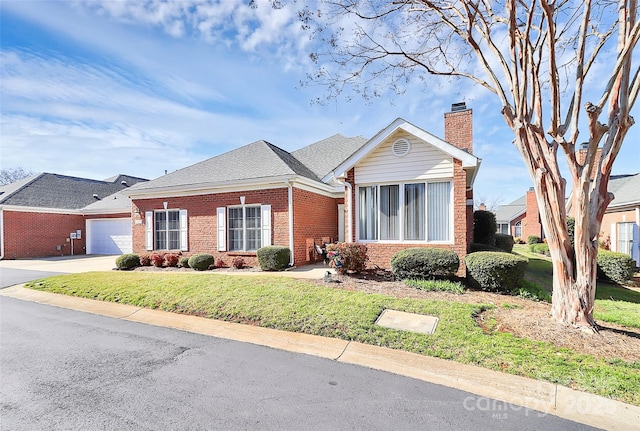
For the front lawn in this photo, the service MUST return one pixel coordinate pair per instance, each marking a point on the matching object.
(301, 306)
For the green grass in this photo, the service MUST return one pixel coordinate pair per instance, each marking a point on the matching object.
(614, 303)
(436, 285)
(296, 305)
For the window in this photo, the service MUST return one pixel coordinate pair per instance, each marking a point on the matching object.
(503, 228)
(518, 229)
(368, 223)
(411, 212)
(245, 228)
(625, 238)
(166, 230)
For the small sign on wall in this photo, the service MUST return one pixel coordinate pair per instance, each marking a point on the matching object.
(73, 235)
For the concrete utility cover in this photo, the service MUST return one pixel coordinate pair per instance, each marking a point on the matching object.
(407, 321)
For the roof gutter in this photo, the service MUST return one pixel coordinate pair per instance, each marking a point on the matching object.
(347, 185)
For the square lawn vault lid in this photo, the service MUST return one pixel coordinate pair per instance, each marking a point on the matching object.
(407, 321)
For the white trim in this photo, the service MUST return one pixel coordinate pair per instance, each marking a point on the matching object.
(231, 187)
(42, 210)
(613, 237)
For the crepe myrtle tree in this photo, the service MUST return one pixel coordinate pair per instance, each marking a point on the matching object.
(540, 59)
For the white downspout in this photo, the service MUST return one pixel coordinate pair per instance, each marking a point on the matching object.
(290, 202)
(349, 206)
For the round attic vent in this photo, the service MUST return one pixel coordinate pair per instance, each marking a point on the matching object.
(401, 147)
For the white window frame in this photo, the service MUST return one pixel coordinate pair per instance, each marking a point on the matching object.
(150, 232)
(222, 215)
(401, 216)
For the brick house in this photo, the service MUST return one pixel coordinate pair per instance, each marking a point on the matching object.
(520, 218)
(403, 187)
(56, 215)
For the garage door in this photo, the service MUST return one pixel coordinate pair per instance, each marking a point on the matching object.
(109, 236)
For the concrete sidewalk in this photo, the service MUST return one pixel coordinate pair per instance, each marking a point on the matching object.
(531, 394)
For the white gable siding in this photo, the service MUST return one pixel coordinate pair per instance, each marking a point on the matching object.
(424, 162)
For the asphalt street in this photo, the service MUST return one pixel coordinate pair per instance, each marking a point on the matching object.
(11, 276)
(67, 370)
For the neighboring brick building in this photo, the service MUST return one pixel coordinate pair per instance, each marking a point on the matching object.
(57, 215)
(520, 218)
(402, 188)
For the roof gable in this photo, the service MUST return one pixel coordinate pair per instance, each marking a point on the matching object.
(469, 161)
(626, 189)
(325, 155)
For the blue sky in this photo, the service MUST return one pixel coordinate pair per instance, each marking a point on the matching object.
(95, 89)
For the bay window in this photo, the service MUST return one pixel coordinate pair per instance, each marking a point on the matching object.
(405, 212)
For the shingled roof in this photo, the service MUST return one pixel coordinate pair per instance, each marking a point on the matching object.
(626, 189)
(261, 160)
(46, 190)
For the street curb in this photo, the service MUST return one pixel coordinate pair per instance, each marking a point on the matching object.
(543, 397)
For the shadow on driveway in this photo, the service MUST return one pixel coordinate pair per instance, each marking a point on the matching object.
(11, 277)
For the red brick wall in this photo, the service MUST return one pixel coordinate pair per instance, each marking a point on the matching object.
(202, 220)
(531, 224)
(458, 129)
(315, 219)
(34, 234)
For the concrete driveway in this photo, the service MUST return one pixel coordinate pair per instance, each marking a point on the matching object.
(19, 271)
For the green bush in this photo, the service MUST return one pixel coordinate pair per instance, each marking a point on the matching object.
(540, 248)
(484, 227)
(504, 242)
(422, 263)
(571, 229)
(273, 257)
(533, 239)
(127, 261)
(183, 262)
(200, 262)
(347, 256)
(614, 266)
(476, 247)
(492, 271)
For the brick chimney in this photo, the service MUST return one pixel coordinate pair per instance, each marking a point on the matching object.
(581, 157)
(531, 223)
(458, 127)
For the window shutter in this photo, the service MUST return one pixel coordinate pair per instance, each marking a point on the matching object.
(265, 217)
(184, 238)
(148, 219)
(221, 215)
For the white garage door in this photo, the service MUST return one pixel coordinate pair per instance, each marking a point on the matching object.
(109, 236)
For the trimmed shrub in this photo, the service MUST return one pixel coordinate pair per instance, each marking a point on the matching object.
(220, 263)
(422, 263)
(145, 259)
(183, 262)
(171, 259)
(492, 271)
(273, 257)
(540, 248)
(476, 246)
(157, 260)
(238, 262)
(347, 256)
(484, 227)
(504, 242)
(200, 262)
(533, 239)
(127, 261)
(615, 266)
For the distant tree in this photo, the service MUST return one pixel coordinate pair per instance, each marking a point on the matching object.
(491, 203)
(538, 58)
(11, 175)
